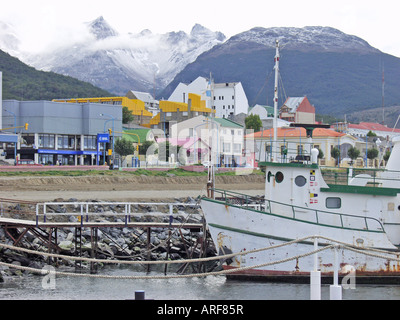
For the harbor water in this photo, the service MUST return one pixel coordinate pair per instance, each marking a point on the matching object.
(35, 287)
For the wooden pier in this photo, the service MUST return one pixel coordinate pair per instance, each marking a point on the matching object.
(44, 224)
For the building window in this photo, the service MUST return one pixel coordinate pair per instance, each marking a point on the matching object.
(46, 159)
(226, 147)
(66, 142)
(46, 140)
(300, 149)
(28, 141)
(237, 148)
(90, 143)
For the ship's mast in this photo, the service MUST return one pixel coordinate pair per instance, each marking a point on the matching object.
(274, 148)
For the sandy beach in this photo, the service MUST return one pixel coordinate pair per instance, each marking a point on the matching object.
(121, 188)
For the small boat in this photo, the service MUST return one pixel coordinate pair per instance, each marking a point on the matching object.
(307, 206)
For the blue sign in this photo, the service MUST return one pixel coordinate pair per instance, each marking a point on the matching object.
(103, 137)
(68, 152)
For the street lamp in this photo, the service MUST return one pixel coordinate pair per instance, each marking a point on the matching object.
(15, 131)
(112, 118)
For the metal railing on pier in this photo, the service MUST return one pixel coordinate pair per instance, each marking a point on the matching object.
(95, 213)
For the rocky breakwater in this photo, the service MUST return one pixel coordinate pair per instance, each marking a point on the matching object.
(109, 242)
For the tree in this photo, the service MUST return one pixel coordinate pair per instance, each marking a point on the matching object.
(124, 148)
(372, 153)
(387, 155)
(353, 153)
(320, 153)
(127, 115)
(335, 153)
(371, 134)
(253, 121)
(144, 146)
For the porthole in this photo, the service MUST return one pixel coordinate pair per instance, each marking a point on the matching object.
(279, 177)
(398, 208)
(300, 181)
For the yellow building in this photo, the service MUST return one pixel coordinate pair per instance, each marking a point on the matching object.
(141, 115)
(171, 111)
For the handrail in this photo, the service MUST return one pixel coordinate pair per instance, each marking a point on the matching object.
(86, 210)
(248, 201)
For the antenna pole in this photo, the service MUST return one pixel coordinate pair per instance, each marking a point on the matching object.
(277, 56)
(383, 92)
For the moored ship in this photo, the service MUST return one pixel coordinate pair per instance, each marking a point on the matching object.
(358, 210)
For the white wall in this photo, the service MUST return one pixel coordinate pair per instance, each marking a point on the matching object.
(182, 91)
(226, 99)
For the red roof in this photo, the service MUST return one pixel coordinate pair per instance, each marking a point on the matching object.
(295, 132)
(372, 126)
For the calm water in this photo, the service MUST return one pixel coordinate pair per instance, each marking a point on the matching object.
(208, 288)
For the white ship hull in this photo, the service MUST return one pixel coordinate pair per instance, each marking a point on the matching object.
(235, 228)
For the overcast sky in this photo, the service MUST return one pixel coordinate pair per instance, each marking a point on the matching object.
(41, 22)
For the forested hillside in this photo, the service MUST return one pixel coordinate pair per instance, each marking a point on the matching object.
(22, 82)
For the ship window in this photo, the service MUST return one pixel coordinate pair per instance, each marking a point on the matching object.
(300, 181)
(279, 177)
(333, 203)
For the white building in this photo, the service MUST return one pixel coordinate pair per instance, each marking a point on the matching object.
(226, 98)
(225, 139)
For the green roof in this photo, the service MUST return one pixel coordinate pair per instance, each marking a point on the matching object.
(227, 123)
(142, 133)
(269, 109)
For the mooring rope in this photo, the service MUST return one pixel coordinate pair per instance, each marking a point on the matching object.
(206, 259)
(172, 276)
(213, 273)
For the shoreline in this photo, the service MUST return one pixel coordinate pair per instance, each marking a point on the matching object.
(117, 189)
(121, 188)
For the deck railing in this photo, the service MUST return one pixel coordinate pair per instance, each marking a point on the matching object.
(319, 217)
(366, 176)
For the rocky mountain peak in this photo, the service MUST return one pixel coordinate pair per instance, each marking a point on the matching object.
(199, 31)
(101, 29)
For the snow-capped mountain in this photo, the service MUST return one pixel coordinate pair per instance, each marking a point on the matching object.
(338, 72)
(9, 41)
(122, 62)
(310, 38)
